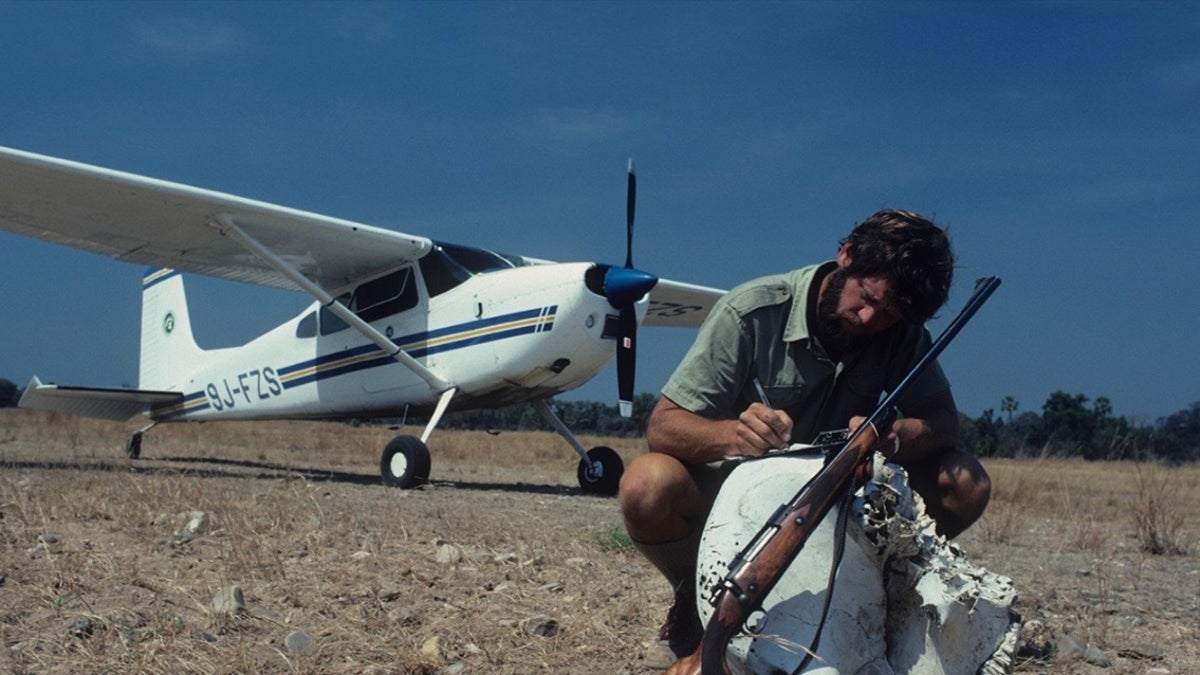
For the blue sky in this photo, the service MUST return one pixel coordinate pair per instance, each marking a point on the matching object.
(1059, 142)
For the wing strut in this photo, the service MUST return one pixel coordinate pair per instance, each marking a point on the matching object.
(442, 403)
(224, 223)
(543, 406)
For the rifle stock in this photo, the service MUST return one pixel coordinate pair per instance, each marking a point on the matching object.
(759, 566)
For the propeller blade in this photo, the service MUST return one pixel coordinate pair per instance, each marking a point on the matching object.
(626, 358)
(630, 204)
(624, 287)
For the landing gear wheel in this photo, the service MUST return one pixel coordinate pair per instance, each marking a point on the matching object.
(405, 463)
(133, 447)
(601, 473)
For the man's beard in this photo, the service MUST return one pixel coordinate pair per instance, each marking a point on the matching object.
(829, 325)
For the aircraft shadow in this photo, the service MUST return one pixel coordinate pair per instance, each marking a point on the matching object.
(214, 467)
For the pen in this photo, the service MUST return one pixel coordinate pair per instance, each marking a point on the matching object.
(762, 393)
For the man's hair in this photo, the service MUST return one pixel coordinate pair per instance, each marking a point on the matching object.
(910, 252)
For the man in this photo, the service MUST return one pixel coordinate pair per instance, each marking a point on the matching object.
(784, 357)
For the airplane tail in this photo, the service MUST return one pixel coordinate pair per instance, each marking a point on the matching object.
(168, 347)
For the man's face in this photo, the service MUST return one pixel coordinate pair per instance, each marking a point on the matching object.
(866, 307)
(852, 309)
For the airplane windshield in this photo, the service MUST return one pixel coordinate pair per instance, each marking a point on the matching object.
(476, 260)
(448, 265)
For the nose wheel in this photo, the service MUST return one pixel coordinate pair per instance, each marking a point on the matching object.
(600, 473)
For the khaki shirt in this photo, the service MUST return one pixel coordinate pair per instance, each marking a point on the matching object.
(760, 330)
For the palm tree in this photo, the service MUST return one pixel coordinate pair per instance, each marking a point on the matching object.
(1008, 405)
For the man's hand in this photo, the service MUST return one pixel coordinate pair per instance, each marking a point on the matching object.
(887, 441)
(694, 439)
(928, 429)
(760, 429)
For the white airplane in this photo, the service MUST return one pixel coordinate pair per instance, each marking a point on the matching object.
(400, 324)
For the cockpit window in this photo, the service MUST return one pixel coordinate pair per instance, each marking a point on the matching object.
(476, 260)
(441, 273)
(448, 265)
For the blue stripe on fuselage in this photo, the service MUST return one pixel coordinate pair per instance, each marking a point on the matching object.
(416, 345)
(420, 344)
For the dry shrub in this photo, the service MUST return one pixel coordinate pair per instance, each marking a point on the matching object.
(1018, 490)
(1157, 516)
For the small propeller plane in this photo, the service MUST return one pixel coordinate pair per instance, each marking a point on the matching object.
(399, 323)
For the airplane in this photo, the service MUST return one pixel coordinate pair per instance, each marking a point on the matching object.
(399, 324)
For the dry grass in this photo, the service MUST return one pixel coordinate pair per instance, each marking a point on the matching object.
(99, 574)
(1073, 535)
(1095, 499)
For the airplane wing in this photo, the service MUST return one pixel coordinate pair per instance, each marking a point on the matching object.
(678, 305)
(108, 404)
(162, 224)
(152, 222)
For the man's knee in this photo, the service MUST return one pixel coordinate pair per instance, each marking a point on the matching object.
(955, 487)
(974, 489)
(656, 494)
(640, 484)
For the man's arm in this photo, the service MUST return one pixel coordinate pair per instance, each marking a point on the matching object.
(695, 439)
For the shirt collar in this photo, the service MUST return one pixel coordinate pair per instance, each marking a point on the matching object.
(800, 284)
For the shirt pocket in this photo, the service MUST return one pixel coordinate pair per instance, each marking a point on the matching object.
(795, 391)
(860, 390)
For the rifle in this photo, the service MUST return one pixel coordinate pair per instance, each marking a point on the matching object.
(754, 572)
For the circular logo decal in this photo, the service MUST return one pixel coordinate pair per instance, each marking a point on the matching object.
(168, 323)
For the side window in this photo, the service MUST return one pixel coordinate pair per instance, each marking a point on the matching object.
(330, 323)
(374, 300)
(385, 296)
(308, 326)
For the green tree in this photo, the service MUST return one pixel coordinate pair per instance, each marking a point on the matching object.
(1178, 434)
(9, 394)
(1067, 425)
(986, 434)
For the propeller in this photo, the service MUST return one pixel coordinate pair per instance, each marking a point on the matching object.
(624, 287)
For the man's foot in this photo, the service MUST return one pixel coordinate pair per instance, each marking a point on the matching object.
(681, 632)
(679, 635)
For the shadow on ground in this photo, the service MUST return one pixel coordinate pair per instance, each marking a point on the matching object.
(211, 467)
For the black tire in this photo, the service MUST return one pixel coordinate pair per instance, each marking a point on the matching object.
(405, 463)
(601, 473)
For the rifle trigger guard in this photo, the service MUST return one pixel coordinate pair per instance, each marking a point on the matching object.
(753, 625)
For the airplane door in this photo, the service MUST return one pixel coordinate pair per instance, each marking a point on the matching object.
(394, 306)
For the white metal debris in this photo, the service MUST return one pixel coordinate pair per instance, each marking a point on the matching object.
(905, 599)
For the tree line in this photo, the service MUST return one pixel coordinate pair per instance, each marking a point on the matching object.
(1068, 425)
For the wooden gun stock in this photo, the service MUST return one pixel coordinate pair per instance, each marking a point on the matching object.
(756, 570)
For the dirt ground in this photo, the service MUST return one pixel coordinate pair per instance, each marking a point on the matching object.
(274, 548)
